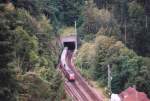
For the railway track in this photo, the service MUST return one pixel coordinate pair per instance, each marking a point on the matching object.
(82, 81)
(84, 98)
(73, 90)
(78, 90)
(70, 91)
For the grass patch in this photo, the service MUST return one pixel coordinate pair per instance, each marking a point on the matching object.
(67, 31)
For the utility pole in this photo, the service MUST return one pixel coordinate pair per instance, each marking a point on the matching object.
(146, 25)
(76, 34)
(109, 79)
(136, 96)
(125, 32)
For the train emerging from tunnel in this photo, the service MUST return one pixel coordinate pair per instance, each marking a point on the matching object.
(69, 74)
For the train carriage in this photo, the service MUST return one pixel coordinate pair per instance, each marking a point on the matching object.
(65, 68)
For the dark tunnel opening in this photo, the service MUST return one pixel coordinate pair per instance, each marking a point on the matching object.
(70, 45)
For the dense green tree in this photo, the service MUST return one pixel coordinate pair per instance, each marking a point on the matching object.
(27, 45)
(127, 69)
(138, 35)
(133, 18)
(97, 22)
(71, 10)
(59, 11)
(103, 3)
(133, 21)
(8, 83)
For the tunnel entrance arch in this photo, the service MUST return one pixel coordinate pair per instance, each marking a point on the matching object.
(70, 42)
(70, 45)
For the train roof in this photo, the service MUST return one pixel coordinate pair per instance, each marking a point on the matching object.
(70, 71)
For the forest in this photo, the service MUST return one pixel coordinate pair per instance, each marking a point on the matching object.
(114, 32)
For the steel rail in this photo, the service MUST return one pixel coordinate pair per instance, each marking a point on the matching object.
(82, 81)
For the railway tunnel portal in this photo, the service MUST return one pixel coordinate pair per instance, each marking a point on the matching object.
(70, 45)
(70, 42)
